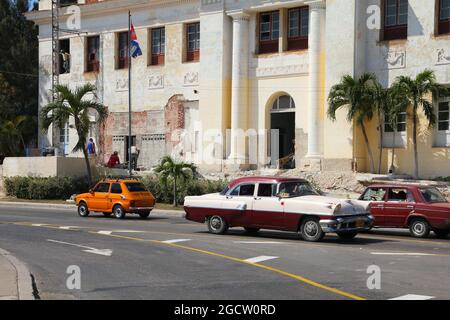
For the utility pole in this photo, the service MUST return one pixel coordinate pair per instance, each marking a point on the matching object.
(55, 47)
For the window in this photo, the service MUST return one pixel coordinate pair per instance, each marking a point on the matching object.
(374, 194)
(400, 195)
(284, 102)
(444, 17)
(64, 139)
(269, 32)
(193, 41)
(244, 190)
(267, 190)
(298, 23)
(442, 132)
(116, 188)
(136, 187)
(433, 195)
(158, 41)
(395, 19)
(122, 50)
(395, 138)
(296, 189)
(92, 54)
(102, 188)
(64, 56)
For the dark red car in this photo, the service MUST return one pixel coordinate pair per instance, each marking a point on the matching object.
(420, 208)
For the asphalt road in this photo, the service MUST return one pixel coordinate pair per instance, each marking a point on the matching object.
(166, 257)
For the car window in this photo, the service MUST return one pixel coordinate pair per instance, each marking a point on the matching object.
(135, 187)
(116, 188)
(296, 189)
(400, 195)
(102, 188)
(432, 195)
(374, 194)
(244, 190)
(267, 190)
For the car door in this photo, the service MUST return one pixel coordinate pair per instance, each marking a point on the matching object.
(377, 197)
(114, 195)
(241, 194)
(100, 200)
(268, 210)
(400, 202)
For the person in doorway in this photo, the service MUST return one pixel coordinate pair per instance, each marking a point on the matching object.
(114, 160)
(134, 157)
(91, 148)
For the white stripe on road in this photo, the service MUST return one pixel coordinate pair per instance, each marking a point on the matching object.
(68, 228)
(257, 242)
(412, 297)
(176, 241)
(39, 225)
(401, 254)
(108, 233)
(102, 252)
(260, 259)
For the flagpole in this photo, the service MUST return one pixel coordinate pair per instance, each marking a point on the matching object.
(130, 140)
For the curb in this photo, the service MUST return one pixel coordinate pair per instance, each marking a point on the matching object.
(24, 285)
(73, 206)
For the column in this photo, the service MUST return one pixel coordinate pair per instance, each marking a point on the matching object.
(239, 85)
(316, 78)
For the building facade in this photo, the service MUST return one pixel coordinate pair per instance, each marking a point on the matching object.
(241, 84)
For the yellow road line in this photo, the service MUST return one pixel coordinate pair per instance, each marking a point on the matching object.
(284, 273)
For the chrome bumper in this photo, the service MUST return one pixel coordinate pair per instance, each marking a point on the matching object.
(348, 224)
(134, 209)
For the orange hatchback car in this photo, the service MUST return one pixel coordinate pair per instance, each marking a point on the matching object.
(116, 197)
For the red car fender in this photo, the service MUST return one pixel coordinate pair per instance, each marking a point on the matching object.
(413, 214)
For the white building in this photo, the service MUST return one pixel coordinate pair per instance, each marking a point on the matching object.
(215, 65)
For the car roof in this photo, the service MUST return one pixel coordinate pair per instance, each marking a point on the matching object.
(264, 179)
(398, 185)
(119, 180)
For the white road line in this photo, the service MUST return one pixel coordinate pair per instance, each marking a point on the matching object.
(102, 252)
(402, 254)
(176, 241)
(260, 259)
(110, 232)
(39, 225)
(412, 297)
(69, 228)
(258, 242)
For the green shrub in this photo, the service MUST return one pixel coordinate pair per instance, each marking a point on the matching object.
(53, 188)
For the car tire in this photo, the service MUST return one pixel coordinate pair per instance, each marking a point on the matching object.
(107, 214)
(347, 235)
(419, 228)
(441, 233)
(83, 210)
(217, 225)
(252, 230)
(119, 212)
(144, 215)
(310, 230)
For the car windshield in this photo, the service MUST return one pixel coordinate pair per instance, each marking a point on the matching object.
(432, 195)
(225, 191)
(296, 189)
(135, 187)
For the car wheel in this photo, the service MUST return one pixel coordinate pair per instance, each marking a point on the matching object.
(252, 230)
(347, 235)
(217, 225)
(310, 230)
(419, 228)
(118, 212)
(107, 214)
(441, 233)
(144, 215)
(83, 210)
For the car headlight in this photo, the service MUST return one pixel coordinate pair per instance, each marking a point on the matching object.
(337, 208)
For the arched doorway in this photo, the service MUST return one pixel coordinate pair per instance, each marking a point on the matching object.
(282, 125)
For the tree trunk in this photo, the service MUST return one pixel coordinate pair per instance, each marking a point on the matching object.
(369, 150)
(380, 158)
(393, 152)
(88, 165)
(175, 204)
(416, 154)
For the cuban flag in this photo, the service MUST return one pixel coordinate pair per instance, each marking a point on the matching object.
(134, 45)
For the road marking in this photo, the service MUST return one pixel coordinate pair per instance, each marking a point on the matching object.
(412, 297)
(258, 242)
(108, 232)
(69, 228)
(261, 266)
(102, 252)
(176, 241)
(39, 225)
(402, 254)
(260, 259)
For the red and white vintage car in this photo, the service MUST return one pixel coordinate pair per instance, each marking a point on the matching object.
(281, 204)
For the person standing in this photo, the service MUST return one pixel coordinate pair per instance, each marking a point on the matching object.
(91, 148)
(134, 157)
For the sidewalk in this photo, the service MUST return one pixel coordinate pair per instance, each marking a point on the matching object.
(15, 279)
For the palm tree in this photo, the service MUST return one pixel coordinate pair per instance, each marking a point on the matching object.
(12, 133)
(73, 105)
(357, 96)
(382, 104)
(169, 168)
(414, 93)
